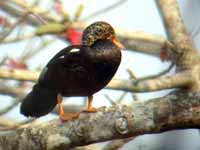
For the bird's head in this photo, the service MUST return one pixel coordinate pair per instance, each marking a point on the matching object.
(99, 31)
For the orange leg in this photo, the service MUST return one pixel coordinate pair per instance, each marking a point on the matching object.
(65, 116)
(90, 109)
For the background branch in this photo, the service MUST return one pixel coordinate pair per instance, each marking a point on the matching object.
(136, 41)
(186, 54)
(181, 79)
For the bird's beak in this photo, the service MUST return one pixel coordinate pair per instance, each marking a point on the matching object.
(117, 43)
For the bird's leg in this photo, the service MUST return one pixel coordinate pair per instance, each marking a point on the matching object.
(90, 109)
(63, 115)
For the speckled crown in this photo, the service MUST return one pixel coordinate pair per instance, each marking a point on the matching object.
(96, 31)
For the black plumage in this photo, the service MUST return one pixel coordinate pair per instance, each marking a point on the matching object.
(77, 70)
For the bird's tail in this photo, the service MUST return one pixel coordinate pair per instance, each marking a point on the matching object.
(38, 102)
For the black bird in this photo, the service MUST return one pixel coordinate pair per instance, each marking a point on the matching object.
(77, 70)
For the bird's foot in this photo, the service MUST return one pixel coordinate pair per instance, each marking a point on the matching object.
(69, 116)
(90, 110)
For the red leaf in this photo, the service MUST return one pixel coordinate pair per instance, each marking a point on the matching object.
(14, 64)
(3, 20)
(164, 55)
(74, 36)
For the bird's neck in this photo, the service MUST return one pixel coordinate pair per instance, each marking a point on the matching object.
(106, 50)
(104, 45)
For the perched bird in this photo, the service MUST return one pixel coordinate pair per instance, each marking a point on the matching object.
(77, 70)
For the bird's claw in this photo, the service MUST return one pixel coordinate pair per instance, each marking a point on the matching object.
(69, 116)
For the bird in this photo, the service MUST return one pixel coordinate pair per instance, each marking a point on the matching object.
(77, 70)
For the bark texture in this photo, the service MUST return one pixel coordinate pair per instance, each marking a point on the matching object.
(178, 110)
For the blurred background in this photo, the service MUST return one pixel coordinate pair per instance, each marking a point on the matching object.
(33, 52)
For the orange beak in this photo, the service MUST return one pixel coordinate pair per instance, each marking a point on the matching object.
(117, 43)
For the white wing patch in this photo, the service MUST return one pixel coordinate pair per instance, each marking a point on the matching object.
(74, 50)
(62, 57)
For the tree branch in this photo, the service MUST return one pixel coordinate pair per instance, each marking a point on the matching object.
(136, 41)
(17, 39)
(17, 9)
(179, 80)
(178, 110)
(186, 54)
(182, 79)
(10, 106)
(18, 74)
(144, 42)
(12, 91)
(174, 24)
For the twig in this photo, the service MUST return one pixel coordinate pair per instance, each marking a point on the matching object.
(10, 106)
(17, 8)
(137, 80)
(132, 76)
(43, 21)
(3, 60)
(118, 101)
(104, 10)
(195, 32)
(12, 91)
(36, 50)
(135, 97)
(78, 12)
(17, 39)
(12, 27)
(30, 8)
(155, 75)
(110, 100)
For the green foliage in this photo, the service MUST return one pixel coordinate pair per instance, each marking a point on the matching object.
(50, 29)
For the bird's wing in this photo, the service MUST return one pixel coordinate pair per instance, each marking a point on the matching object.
(70, 63)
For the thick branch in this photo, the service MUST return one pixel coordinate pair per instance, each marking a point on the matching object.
(182, 79)
(144, 42)
(17, 74)
(187, 57)
(174, 24)
(175, 111)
